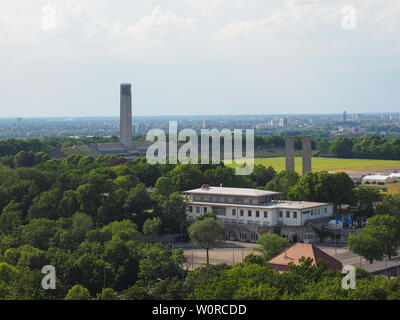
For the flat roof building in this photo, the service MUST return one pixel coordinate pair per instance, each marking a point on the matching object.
(253, 207)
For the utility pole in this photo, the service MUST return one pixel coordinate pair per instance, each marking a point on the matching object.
(385, 261)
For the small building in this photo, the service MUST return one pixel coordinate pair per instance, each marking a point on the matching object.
(298, 250)
(378, 178)
(395, 176)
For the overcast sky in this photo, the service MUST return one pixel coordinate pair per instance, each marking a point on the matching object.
(198, 57)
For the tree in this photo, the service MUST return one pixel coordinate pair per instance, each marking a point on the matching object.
(137, 201)
(172, 212)
(272, 245)
(11, 218)
(38, 232)
(78, 292)
(25, 159)
(366, 198)
(45, 205)
(207, 233)
(324, 187)
(342, 147)
(387, 230)
(390, 205)
(262, 175)
(186, 177)
(283, 182)
(164, 187)
(379, 238)
(151, 227)
(108, 294)
(81, 224)
(88, 198)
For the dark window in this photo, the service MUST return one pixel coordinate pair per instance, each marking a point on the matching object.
(241, 213)
(198, 209)
(287, 214)
(295, 215)
(257, 214)
(265, 214)
(249, 213)
(280, 214)
(205, 209)
(234, 212)
(190, 209)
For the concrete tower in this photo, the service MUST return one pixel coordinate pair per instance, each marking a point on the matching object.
(306, 153)
(126, 116)
(289, 153)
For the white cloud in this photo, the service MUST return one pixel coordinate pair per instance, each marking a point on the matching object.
(305, 19)
(158, 24)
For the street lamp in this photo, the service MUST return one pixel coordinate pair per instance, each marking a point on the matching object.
(105, 267)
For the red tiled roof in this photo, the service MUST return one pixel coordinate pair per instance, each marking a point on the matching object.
(298, 250)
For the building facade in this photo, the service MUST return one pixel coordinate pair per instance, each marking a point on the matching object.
(261, 210)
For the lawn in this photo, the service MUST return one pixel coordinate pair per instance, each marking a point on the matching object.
(334, 164)
(391, 188)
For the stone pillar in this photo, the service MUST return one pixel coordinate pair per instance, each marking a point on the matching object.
(289, 153)
(306, 153)
(126, 116)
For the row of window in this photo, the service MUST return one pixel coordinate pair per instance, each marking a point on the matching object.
(222, 211)
(243, 236)
(226, 200)
(294, 216)
(250, 213)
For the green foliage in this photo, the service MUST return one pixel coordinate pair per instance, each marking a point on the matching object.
(272, 245)
(78, 292)
(207, 233)
(108, 294)
(378, 239)
(152, 227)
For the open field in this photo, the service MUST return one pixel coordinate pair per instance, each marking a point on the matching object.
(350, 166)
(392, 188)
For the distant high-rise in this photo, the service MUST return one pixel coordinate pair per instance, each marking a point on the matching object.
(283, 122)
(126, 116)
(344, 116)
(19, 123)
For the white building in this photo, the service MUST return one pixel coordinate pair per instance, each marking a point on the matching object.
(395, 176)
(378, 178)
(253, 207)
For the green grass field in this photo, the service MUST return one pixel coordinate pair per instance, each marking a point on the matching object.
(333, 164)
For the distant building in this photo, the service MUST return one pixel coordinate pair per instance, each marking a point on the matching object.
(240, 208)
(344, 116)
(19, 123)
(126, 147)
(283, 122)
(377, 178)
(395, 176)
(299, 250)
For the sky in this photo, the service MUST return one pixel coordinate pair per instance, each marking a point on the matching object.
(67, 58)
